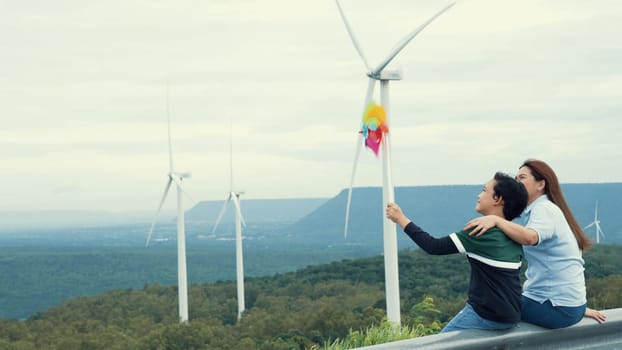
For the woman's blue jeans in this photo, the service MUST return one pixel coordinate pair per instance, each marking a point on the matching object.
(549, 316)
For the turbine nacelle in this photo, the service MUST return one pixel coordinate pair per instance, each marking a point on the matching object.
(385, 75)
(180, 176)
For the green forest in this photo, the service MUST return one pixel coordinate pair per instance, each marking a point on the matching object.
(306, 309)
(33, 279)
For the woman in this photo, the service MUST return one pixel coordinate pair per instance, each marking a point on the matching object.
(554, 292)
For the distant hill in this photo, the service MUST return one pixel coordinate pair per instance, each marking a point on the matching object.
(256, 210)
(60, 219)
(443, 209)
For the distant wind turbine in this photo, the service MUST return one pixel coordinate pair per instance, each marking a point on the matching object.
(388, 194)
(239, 221)
(596, 223)
(177, 178)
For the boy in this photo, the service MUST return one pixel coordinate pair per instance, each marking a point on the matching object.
(494, 300)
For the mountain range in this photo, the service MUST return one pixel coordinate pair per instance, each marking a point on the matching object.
(438, 209)
(256, 210)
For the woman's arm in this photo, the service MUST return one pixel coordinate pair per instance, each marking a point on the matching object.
(518, 233)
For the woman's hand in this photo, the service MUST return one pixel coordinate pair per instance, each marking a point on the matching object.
(595, 314)
(481, 225)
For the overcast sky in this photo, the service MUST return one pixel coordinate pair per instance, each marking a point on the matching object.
(487, 85)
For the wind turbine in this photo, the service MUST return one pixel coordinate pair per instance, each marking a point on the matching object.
(177, 178)
(596, 223)
(239, 221)
(388, 194)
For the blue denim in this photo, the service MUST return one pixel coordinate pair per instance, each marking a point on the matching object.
(549, 316)
(467, 318)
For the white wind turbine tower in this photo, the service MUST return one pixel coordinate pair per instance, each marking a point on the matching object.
(177, 178)
(388, 193)
(596, 223)
(239, 221)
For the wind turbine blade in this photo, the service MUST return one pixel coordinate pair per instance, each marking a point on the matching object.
(402, 43)
(166, 188)
(168, 119)
(359, 142)
(236, 202)
(370, 91)
(222, 212)
(230, 155)
(357, 46)
(598, 229)
(588, 226)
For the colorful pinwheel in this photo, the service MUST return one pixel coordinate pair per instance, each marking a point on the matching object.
(374, 126)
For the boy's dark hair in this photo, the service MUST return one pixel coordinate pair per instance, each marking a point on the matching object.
(513, 193)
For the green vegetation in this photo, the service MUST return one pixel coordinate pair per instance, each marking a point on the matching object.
(332, 306)
(425, 323)
(33, 279)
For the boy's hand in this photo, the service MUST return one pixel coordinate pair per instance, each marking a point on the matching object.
(395, 214)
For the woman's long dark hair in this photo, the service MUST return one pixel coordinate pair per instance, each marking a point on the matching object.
(542, 171)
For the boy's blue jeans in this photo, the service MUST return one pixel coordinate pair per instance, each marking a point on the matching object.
(467, 318)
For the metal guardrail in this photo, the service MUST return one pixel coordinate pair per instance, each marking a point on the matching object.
(587, 334)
